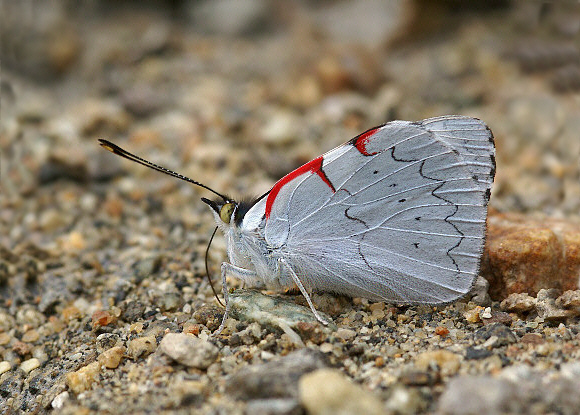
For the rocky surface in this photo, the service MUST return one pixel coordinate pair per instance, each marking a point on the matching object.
(104, 305)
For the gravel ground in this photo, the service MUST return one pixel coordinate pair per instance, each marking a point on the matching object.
(104, 304)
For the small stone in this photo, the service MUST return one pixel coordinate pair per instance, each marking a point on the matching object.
(328, 391)
(311, 331)
(280, 312)
(479, 292)
(477, 353)
(132, 311)
(473, 315)
(532, 338)
(141, 346)
(83, 379)
(417, 378)
(502, 334)
(441, 331)
(486, 313)
(30, 336)
(188, 350)
(106, 340)
(280, 406)
(112, 358)
(405, 401)
(447, 362)
(5, 339)
(345, 334)
(5, 366)
(170, 301)
(29, 365)
(71, 312)
(60, 399)
(21, 348)
(102, 318)
(209, 316)
(498, 317)
(547, 308)
(476, 395)
(145, 267)
(277, 378)
(569, 299)
(518, 303)
(192, 328)
(74, 241)
(250, 334)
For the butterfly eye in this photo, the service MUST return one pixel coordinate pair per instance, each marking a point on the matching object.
(226, 212)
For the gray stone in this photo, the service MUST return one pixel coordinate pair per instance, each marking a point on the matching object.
(251, 305)
(281, 406)
(477, 395)
(189, 350)
(277, 378)
(503, 334)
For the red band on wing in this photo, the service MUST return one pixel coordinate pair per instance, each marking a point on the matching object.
(362, 141)
(314, 166)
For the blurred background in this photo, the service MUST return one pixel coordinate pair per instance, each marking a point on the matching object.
(236, 93)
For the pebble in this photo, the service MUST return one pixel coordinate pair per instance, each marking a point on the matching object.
(473, 315)
(277, 378)
(60, 399)
(189, 350)
(106, 340)
(499, 334)
(251, 305)
(112, 358)
(73, 242)
(406, 401)
(569, 299)
(29, 365)
(141, 346)
(102, 318)
(446, 362)
(30, 336)
(476, 394)
(345, 334)
(479, 292)
(518, 303)
(329, 391)
(84, 378)
(5, 366)
(280, 406)
(5, 339)
(547, 308)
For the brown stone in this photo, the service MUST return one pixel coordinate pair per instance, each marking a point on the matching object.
(532, 338)
(524, 254)
(102, 318)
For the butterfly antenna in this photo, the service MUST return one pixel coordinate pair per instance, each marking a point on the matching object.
(207, 268)
(115, 149)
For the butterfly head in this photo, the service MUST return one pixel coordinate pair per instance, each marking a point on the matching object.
(224, 210)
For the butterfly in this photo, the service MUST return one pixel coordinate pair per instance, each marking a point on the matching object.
(396, 214)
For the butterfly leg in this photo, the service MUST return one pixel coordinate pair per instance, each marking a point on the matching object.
(304, 292)
(240, 273)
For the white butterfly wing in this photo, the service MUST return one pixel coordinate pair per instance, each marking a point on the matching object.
(396, 214)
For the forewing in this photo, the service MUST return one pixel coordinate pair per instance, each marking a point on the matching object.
(397, 214)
